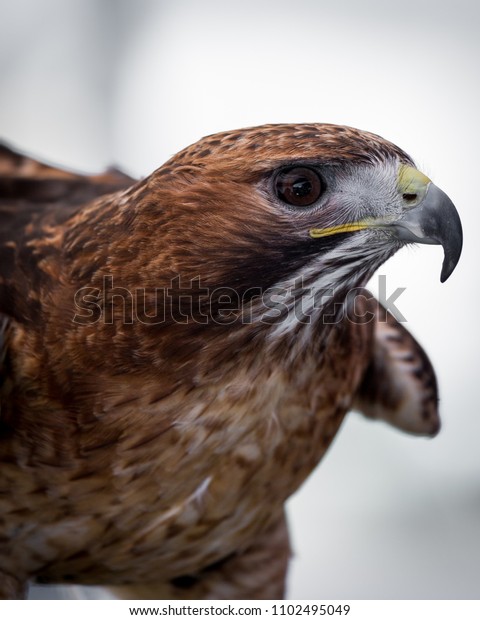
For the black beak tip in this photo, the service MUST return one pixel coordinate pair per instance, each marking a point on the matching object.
(453, 248)
(446, 273)
(443, 224)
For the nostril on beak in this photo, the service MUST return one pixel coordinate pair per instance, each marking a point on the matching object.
(410, 197)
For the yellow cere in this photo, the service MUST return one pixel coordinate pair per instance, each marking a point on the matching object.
(411, 180)
(412, 185)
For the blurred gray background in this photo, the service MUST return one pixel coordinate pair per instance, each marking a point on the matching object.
(87, 83)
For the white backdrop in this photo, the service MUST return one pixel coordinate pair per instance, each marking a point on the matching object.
(91, 82)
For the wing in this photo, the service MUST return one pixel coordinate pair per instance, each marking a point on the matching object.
(33, 197)
(399, 385)
(16, 166)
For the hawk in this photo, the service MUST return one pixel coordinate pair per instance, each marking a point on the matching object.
(178, 353)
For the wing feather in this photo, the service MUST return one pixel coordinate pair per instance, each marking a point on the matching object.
(399, 385)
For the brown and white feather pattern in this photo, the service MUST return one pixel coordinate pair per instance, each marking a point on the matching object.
(157, 456)
(399, 386)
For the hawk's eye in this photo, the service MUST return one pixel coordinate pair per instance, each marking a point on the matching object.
(299, 186)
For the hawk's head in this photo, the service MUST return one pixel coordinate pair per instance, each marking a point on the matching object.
(314, 206)
(254, 206)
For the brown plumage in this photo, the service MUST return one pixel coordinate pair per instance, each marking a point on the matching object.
(177, 354)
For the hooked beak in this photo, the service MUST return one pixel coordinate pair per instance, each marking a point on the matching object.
(433, 221)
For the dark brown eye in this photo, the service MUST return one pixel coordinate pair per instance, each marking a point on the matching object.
(299, 187)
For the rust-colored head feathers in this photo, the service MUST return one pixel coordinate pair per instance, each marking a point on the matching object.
(263, 148)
